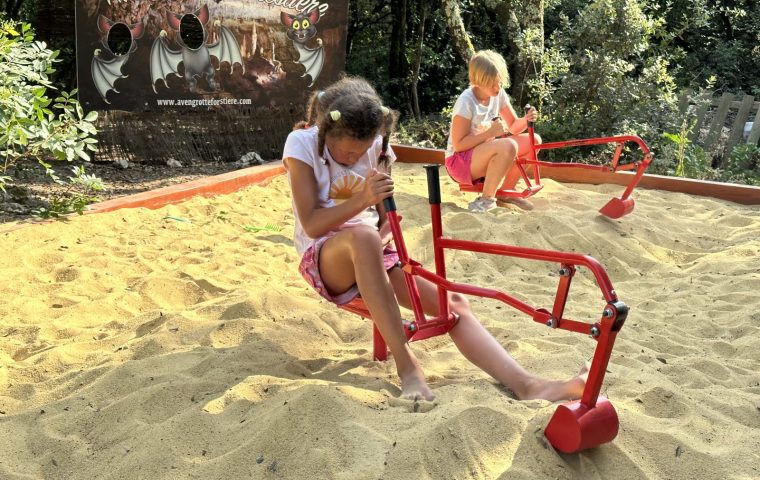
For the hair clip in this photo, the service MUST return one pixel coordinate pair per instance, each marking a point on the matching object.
(335, 115)
(385, 110)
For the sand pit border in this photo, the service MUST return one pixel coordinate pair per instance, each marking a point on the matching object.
(208, 187)
(153, 199)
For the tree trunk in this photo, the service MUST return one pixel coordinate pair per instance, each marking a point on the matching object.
(459, 36)
(415, 101)
(398, 68)
(353, 25)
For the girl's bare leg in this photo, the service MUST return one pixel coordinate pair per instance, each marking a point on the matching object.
(514, 175)
(482, 349)
(354, 257)
(523, 148)
(492, 160)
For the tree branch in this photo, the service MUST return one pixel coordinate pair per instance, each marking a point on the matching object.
(460, 37)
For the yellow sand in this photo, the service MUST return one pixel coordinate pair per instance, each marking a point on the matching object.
(136, 346)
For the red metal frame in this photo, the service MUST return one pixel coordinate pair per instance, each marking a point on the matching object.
(616, 207)
(577, 425)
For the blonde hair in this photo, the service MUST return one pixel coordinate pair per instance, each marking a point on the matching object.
(487, 67)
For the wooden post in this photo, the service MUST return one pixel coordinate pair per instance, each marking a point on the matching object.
(754, 134)
(718, 120)
(683, 102)
(738, 128)
(701, 110)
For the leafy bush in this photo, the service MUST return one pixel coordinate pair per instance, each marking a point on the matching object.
(743, 165)
(429, 132)
(712, 39)
(79, 193)
(30, 128)
(681, 157)
(603, 77)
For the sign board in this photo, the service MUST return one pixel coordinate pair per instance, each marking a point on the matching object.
(138, 55)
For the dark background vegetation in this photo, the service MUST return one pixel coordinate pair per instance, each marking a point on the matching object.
(594, 68)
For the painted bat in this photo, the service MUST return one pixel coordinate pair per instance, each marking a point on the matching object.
(301, 28)
(194, 53)
(105, 71)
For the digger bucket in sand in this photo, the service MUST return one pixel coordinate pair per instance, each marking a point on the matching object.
(592, 420)
(617, 207)
(575, 427)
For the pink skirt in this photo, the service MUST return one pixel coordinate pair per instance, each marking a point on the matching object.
(458, 165)
(309, 269)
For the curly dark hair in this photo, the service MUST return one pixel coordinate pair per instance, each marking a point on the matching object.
(362, 115)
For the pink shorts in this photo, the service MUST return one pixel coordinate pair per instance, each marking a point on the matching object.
(309, 269)
(459, 167)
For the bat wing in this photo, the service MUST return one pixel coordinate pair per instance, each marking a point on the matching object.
(226, 49)
(106, 72)
(313, 59)
(163, 61)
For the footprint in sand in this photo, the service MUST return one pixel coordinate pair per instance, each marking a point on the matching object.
(42, 261)
(662, 403)
(714, 370)
(734, 220)
(66, 274)
(149, 326)
(411, 406)
(171, 293)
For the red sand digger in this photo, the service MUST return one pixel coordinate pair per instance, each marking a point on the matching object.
(577, 425)
(616, 207)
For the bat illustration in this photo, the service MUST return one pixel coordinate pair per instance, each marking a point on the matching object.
(301, 28)
(105, 71)
(195, 56)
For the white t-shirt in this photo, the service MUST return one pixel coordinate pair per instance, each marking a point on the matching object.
(480, 115)
(335, 183)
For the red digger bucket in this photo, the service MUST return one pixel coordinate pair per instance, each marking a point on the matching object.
(617, 207)
(575, 427)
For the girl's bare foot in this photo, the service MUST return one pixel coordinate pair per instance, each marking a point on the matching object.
(414, 387)
(554, 390)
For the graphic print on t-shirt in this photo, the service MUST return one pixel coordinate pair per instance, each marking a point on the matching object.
(344, 185)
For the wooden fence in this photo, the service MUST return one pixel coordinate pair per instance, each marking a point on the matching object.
(714, 115)
(221, 134)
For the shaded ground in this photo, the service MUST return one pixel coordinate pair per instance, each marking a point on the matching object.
(33, 190)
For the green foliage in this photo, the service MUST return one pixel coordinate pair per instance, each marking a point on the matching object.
(31, 124)
(429, 132)
(601, 76)
(269, 227)
(441, 72)
(79, 193)
(681, 157)
(712, 38)
(743, 165)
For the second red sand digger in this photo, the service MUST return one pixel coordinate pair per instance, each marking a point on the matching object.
(575, 426)
(616, 207)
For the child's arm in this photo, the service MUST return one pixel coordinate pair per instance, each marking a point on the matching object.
(517, 125)
(462, 140)
(384, 228)
(317, 221)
